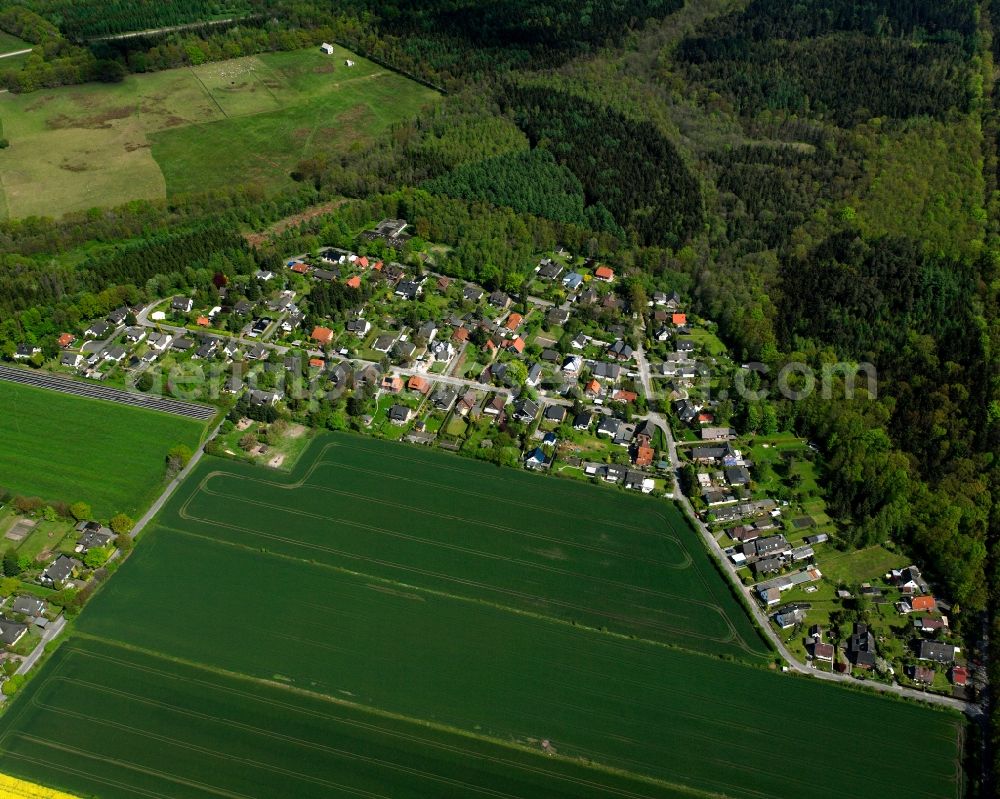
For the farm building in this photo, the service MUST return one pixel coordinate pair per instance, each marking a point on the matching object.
(326, 48)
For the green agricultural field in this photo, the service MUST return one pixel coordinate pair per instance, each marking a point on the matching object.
(604, 559)
(218, 666)
(192, 129)
(116, 723)
(66, 448)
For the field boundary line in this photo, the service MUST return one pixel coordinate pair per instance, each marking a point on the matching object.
(438, 727)
(211, 97)
(478, 584)
(50, 765)
(396, 585)
(513, 531)
(461, 581)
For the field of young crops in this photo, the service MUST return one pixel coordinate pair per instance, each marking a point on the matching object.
(65, 448)
(118, 724)
(243, 651)
(607, 559)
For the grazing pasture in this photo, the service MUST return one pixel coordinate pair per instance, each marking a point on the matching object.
(604, 559)
(66, 448)
(191, 129)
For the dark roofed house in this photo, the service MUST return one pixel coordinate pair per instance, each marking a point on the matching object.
(117, 316)
(772, 545)
(608, 426)
(555, 413)
(340, 375)
(583, 420)
(93, 534)
(472, 293)
(710, 454)
(59, 571)
(443, 398)
(861, 647)
(384, 342)
(606, 371)
(97, 329)
(937, 652)
(525, 410)
(766, 566)
(614, 473)
(400, 414)
(557, 317)
(634, 480)
(737, 476)
(499, 300)
(620, 350)
(11, 631)
(821, 651)
(408, 289)
(181, 304)
(263, 399)
(26, 605)
(549, 269)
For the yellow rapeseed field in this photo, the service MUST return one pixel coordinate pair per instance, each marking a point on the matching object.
(13, 788)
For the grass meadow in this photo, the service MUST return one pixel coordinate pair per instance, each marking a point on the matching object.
(65, 448)
(219, 661)
(11, 44)
(192, 129)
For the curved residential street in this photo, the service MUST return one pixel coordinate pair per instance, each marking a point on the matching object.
(970, 708)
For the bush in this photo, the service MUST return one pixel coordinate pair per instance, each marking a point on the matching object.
(80, 511)
(11, 564)
(177, 458)
(96, 557)
(4, 144)
(28, 504)
(121, 523)
(12, 684)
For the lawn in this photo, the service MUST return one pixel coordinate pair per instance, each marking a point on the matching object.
(607, 559)
(218, 666)
(65, 448)
(191, 129)
(11, 44)
(860, 565)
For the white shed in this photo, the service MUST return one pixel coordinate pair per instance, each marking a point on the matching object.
(326, 48)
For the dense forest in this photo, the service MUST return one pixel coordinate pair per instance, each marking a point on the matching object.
(817, 177)
(84, 20)
(529, 181)
(841, 61)
(624, 164)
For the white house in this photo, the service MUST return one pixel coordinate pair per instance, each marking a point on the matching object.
(326, 48)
